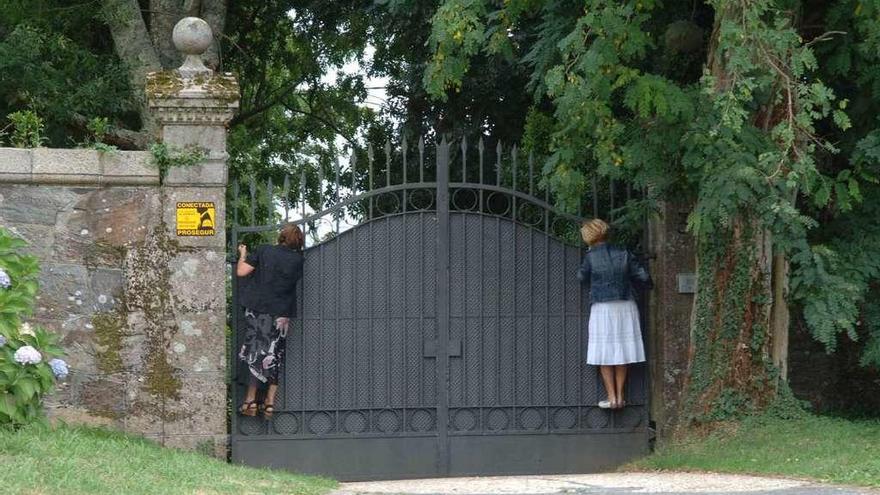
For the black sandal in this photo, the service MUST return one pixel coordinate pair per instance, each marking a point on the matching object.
(248, 408)
(268, 410)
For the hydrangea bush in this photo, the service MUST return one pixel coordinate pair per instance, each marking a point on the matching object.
(30, 360)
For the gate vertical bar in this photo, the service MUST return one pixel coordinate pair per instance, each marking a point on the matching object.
(443, 305)
(232, 377)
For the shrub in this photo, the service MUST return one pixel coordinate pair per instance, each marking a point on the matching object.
(28, 129)
(29, 356)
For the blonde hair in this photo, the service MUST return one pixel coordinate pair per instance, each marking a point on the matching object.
(594, 231)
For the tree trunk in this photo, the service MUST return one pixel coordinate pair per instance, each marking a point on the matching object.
(132, 43)
(739, 327)
(779, 316)
(164, 14)
(730, 348)
(214, 12)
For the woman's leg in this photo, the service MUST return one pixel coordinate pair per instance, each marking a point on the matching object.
(274, 368)
(620, 381)
(251, 394)
(270, 395)
(608, 379)
(249, 406)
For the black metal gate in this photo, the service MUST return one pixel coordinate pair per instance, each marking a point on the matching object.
(443, 333)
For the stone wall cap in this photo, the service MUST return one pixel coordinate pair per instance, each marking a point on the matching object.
(170, 84)
(77, 166)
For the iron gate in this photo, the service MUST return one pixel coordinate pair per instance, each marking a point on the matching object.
(443, 333)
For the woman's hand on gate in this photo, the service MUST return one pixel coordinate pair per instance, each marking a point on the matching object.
(242, 251)
(282, 325)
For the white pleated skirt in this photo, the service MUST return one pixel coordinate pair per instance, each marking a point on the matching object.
(615, 335)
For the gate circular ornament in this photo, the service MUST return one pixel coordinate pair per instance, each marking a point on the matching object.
(465, 200)
(320, 423)
(531, 419)
(355, 422)
(285, 424)
(251, 426)
(498, 204)
(497, 420)
(386, 206)
(388, 421)
(597, 418)
(464, 420)
(530, 214)
(421, 420)
(564, 419)
(420, 199)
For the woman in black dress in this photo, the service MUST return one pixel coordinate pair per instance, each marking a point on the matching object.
(268, 297)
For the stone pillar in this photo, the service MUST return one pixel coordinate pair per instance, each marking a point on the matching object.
(671, 304)
(186, 316)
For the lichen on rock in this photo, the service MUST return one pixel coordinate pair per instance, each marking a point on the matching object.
(110, 328)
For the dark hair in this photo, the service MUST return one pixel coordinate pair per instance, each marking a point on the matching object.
(292, 237)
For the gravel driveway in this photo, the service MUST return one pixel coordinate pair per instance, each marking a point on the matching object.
(610, 483)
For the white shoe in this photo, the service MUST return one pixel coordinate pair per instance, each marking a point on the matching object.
(605, 404)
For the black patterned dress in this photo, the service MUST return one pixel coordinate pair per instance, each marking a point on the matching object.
(263, 347)
(267, 294)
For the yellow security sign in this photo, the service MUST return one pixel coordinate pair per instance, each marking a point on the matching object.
(195, 218)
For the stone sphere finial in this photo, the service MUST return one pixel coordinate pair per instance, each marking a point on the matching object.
(192, 36)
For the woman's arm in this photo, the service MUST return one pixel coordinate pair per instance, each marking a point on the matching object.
(243, 269)
(583, 273)
(638, 274)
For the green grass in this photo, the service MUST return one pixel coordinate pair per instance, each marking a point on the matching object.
(828, 449)
(79, 460)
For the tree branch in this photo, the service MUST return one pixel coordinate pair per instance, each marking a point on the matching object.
(121, 138)
(322, 120)
(275, 99)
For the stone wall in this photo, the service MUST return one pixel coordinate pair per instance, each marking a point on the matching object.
(140, 305)
(141, 314)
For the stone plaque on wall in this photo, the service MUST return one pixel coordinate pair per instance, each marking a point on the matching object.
(687, 283)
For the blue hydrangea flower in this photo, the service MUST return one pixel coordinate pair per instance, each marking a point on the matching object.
(5, 281)
(2, 341)
(27, 355)
(59, 368)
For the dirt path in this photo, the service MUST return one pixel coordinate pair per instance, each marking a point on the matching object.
(610, 483)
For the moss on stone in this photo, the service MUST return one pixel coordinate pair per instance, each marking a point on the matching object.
(149, 291)
(163, 84)
(169, 84)
(109, 330)
(222, 87)
(160, 379)
(101, 398)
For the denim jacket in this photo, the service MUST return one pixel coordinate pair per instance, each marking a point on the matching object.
(611, 272)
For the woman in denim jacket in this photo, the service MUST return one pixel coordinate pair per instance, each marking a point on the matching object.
(615, 335)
